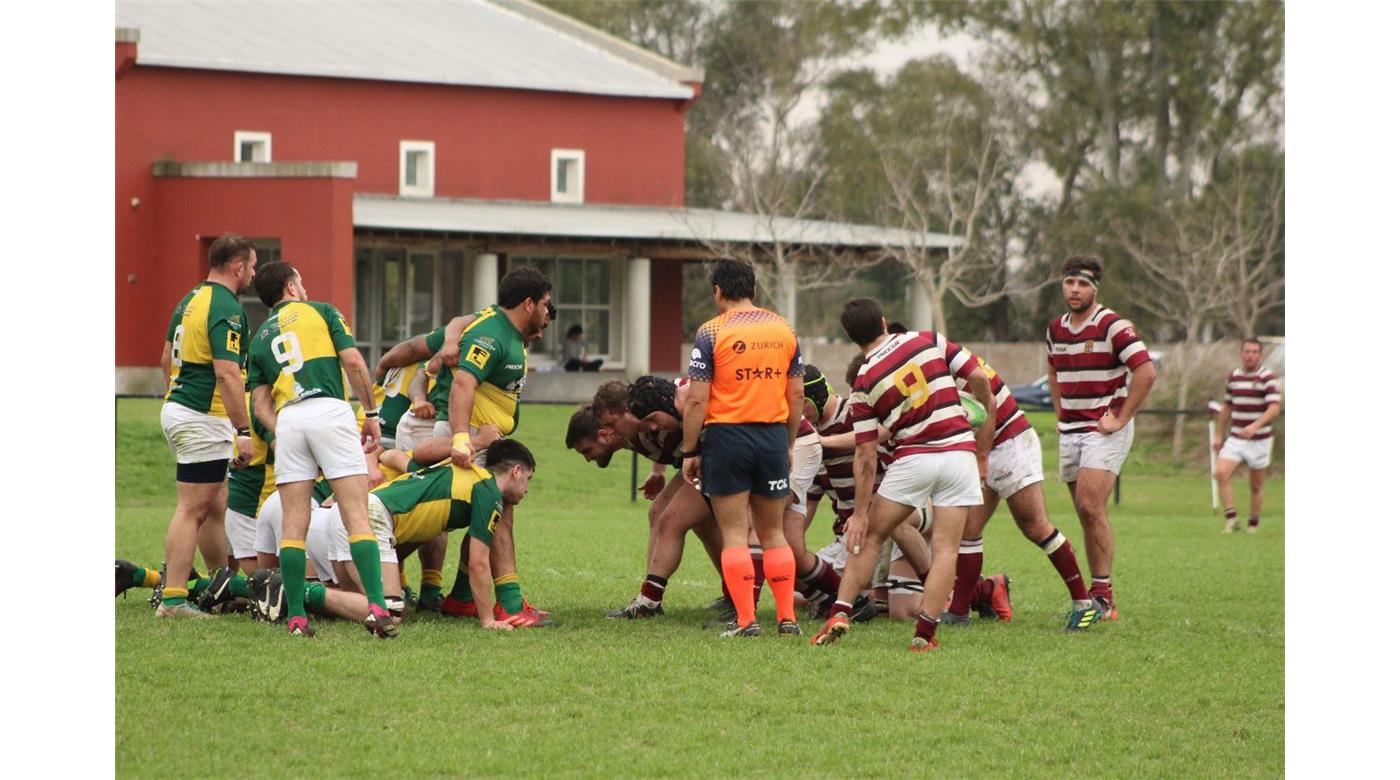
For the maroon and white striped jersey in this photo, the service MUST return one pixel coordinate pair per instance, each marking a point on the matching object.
(1092, 365)
(837, 479)
(905, 385)
(664, 447)
(1011, 421)
(1249, 395)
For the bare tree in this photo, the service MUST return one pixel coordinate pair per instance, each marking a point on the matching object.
(1253, 282)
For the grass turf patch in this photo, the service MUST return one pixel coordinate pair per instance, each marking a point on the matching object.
(1188, 683)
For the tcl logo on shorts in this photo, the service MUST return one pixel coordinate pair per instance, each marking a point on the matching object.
(777, 484)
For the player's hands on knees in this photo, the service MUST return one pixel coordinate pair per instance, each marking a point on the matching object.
(691, 470)
(855, 532)
(497, 625)
(369, 434)
(652, 487)
(244, 447)
(1110, 423)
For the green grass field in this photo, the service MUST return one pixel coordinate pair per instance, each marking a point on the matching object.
(1188, 683)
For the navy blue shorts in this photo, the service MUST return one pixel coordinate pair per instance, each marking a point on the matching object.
(749, 457)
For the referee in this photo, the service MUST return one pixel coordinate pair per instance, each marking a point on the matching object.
(746, 393)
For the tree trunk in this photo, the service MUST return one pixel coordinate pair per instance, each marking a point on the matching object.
(786, 294)
(1184, 375)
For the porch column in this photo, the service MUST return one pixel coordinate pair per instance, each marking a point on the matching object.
(484, 272)
(920, 312)
(637, 314)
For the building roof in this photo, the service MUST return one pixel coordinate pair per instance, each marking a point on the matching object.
(511, 44)
(655, 223)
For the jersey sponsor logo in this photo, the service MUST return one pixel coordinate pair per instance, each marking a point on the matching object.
(345, 326)
(766, 345)
(700, 364)
(778, 484)
(745, 374)
(515, 366)
(986, 369)
(495, 518)
(740, 348)
(232, 342)
(235, 320)
(477, 356)
(1088, 346)
(695, 354)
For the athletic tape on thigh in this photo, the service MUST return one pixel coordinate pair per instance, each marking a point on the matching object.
(904, 585)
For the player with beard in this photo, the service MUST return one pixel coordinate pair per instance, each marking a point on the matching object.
(1091, 351)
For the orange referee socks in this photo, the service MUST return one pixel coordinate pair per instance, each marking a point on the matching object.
(781, 569)
(738, 575)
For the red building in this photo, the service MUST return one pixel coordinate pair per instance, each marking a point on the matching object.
(404, 157)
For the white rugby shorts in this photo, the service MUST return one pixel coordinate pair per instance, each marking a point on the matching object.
(1255, 453)
(240, 530)
(411, 431)
(318, 436)
(1015, 464)
(807, 461)
(945, 478)
(318, 540)
(196, 437)
(1093, 450)
(380, 522)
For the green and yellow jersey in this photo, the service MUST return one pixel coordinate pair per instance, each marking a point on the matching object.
(297, 352)
(440, 498)
(250, 486)
(440, 384)
(493, 351)
(208, 325)
(391, 396)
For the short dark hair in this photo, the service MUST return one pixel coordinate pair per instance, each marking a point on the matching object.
(582, 425)
(853, 368)
(574, 330)
(504, 453)
(734, 278)
(1253, 340)
(862, 318)
(1084, 263)
(611, 397)
(271, 280)
(227, 248)
(896, 327)
(651, 394)
(521, 283)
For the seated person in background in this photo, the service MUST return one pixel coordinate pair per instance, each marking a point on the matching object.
(576, 352)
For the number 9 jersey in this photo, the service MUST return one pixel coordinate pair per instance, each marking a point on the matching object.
(297, 352)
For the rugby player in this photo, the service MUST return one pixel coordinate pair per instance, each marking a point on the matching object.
(1014, 474)
(485, 389)
(297, 368)
(746, 393)
(906, 386)
(203, 359)
(1251, 404)
(1091, 351)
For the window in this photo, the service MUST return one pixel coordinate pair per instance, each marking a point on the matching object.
(404, 292)
(566, 176)
(416, 168)
(583, 294)
(249, 146)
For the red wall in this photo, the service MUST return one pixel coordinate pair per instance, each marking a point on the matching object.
(311, 216)
(490, 143)
(666, 282)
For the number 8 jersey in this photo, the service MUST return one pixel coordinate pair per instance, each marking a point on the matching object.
(905, 386)
(207, 325)
(297, 352)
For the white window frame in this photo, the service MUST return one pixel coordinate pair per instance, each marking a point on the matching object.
(424, 188)
(241, 137)
(575, 193)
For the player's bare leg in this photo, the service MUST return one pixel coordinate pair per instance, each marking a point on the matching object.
(194, 501)
(658, 505)
(968, 568)
(1090, 492)
(913, 544)
(948, 525)
(884, 515)
(1256, 497)
(685, 511)
(906, 591)
(1224, 474)
(213, 543)
(432, 556)
(1028, 509)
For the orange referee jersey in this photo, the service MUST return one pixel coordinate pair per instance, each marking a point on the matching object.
(747, 356)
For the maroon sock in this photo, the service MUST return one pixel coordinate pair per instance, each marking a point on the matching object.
(1254, 521)
(924, 627)
(1061, 554)
(1230, 514)
(822, 577)
(756, 553)
(982, 592)
(968, 571)
(1102, 587)
(654, 588)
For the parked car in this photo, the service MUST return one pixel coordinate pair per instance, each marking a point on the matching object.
(1036, 395)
